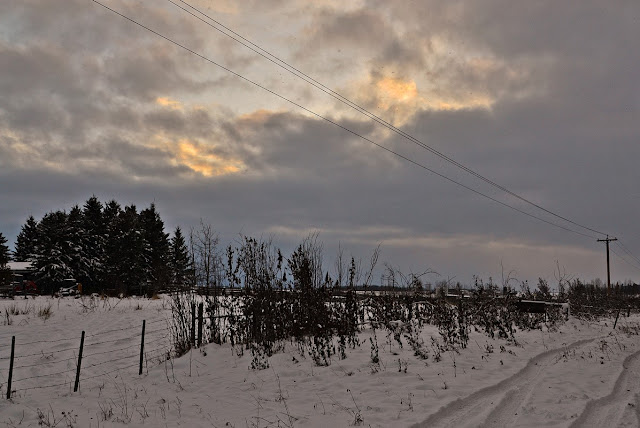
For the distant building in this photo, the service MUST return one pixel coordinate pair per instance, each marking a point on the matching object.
(21, 271)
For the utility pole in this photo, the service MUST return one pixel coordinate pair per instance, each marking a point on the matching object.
(608, 269)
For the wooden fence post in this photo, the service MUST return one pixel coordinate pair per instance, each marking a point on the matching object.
(144, 322)
(200, 315)
(13, 347)
(75, 387)
(193, 324)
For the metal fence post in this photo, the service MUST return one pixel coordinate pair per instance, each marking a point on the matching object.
(193, 324)
(200, 320)
(13, 347)
(144, 322)
(75, 387)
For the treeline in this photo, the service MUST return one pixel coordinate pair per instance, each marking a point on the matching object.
(5, 257)
(105, 247)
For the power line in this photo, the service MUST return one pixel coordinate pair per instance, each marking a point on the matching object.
(625, 260)
(630, 263)
(626, 250)
(293, 70)
(343, 127)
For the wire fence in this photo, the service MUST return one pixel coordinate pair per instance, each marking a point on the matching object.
(72, 361)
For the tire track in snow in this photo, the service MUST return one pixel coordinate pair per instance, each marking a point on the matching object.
(622, 406)
(497, 404)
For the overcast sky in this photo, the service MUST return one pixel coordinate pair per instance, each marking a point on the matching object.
(541, 97)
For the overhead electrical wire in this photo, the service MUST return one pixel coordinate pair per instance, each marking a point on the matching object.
(626, 250)
(635, 260)
(624, 259)
(418, 164)
(295, 71)
(309, 79)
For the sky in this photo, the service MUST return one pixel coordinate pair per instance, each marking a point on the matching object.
(542, 98)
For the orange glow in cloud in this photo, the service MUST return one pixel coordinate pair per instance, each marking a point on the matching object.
(257, 116)
(470, 102)
(395, 90)
(169, 103)
(207, 164)
(398, 89)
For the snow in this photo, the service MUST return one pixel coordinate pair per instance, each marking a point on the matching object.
(583, 374)
(14, 266)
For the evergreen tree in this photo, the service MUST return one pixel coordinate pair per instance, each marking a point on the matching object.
(96, 235)
(104, 247)
(111, 212)
(130, 261)
(158, 272)
(111, 259)
(53, 253)
(5, 272)
(27, 241)
(76, 236)
(180, 261)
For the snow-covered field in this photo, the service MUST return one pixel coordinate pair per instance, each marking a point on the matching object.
(583, 374)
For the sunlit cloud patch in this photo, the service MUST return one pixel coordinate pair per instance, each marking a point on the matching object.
(169, 103)
(202, 161)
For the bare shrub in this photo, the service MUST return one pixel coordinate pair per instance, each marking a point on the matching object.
(181, 304)
(45, 312)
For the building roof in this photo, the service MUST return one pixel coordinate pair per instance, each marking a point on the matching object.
(14, 266)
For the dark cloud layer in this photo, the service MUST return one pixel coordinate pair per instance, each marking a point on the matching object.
(90, 104)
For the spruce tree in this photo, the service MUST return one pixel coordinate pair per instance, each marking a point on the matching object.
(5, 272)
(27, 241)
(54, 252)
(96, 235)
(111, 259)
(130, 262)
(156, 248)
(180, 262)
(76, 236)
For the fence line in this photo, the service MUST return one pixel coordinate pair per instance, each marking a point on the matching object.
(113, 340)
(43, 353)
(44, 375)
(156, 340)
(147, 358)
(43, 363)
(47, 341)
(135, 345)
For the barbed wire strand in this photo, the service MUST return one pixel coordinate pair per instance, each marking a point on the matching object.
(112, 360)
(113, 340)
(35, 342)
(48, 352)
(43, 363)
(46, 375)
(112, 350)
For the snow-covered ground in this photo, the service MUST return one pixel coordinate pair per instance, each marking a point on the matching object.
(583, 374)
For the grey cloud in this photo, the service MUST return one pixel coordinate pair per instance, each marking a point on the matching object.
(51, 90)
(344, 36)
(196, 123)
(563, 134)
(144, 73)
(302, 148)
(357, 28)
